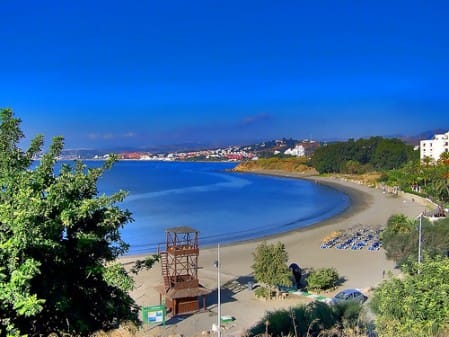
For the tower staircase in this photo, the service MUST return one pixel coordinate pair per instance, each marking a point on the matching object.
(164, 266)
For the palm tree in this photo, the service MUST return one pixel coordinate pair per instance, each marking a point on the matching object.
(399, 223)
(440, 181)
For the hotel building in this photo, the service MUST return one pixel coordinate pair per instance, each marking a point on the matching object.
(434, 147)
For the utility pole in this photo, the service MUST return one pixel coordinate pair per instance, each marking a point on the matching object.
(420, 243)
(217, 265)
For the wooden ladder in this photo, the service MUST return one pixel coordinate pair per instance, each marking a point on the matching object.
(164, 265)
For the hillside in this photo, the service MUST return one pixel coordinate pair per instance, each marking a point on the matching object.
(299, 167)
(295, 165)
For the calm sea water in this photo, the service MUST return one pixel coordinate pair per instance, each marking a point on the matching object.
(223, 206)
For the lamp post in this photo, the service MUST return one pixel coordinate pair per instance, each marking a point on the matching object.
(420, 238)
(217, 265)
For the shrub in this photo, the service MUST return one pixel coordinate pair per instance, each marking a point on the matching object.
(312, 320)
(348, 313)
(319, 316)
(304, 320)
(262, 292)
(277, 323)
(322, 279)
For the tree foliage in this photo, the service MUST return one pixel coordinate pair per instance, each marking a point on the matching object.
(401, 238)
(313, 319)
(390, 154)
(59, 240)
(270, 265)
(322, 279)
(427, 178)
(362, 155)
(416, 305)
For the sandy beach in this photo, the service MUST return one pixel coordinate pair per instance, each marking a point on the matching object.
(360, 269)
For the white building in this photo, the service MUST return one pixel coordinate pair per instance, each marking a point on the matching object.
(434, 147)
(297, 151)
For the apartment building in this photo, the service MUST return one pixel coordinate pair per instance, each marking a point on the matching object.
(434, 147)
(304, 148)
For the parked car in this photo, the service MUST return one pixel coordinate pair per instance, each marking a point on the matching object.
(349, 295)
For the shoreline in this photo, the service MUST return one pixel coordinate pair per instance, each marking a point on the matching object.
(359, 269)
(358, 200)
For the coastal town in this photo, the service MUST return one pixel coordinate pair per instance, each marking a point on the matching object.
(280, 147)
(432, 147)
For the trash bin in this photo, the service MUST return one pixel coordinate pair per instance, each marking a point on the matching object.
(250, 285)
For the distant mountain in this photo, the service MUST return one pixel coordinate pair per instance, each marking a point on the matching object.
(180, 147)
(409, 139)
(81, 153)
(414, 140)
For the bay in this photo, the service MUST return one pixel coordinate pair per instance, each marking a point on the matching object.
(225, 207)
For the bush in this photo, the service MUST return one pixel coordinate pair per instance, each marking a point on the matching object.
(322, 279)
(318, 316)
(308, 320)
(262, 292)
(348, 313)
(423, 308)
(277, 323)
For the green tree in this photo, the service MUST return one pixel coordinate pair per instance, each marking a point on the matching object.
(377, 152)
(417, 304)
(440, 184)
(431, 177)
(390, 154)
(400, 238)
(353, 167)
(435, 237)
(399, 223)
(327, 158)
(59, 240)
(270, 265)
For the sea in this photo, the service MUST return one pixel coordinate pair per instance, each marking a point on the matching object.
(224, 206)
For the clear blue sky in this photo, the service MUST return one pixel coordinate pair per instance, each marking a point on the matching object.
(142, 73)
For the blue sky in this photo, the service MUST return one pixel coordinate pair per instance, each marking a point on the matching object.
(145, 73)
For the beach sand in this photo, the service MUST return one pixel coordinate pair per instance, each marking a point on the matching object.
(360, 269)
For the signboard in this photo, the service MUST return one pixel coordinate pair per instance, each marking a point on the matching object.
(154, 314)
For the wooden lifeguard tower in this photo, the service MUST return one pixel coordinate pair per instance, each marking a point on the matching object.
(181, 289)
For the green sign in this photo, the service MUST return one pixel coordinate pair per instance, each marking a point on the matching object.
(154, 314)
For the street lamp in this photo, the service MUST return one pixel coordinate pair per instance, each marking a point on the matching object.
(217, 265)
(420, 241)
